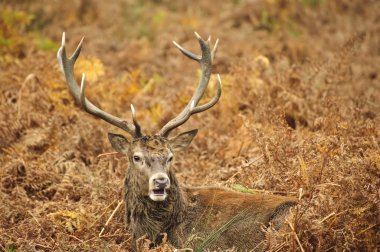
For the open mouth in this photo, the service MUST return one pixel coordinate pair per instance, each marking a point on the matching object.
(159, 192)
(158, 195)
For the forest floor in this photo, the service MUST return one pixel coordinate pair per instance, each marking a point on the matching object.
(299, 114)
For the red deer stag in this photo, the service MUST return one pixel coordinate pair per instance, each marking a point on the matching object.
(202, 218)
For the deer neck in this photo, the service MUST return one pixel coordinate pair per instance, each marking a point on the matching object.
(151, 217)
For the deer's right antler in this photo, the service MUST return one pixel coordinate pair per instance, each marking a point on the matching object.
(191, 108)
(67, 68)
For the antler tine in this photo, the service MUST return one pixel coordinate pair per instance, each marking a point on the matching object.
(67, 68)
(135, 122)
(187, 53)
(213, 52)
(206, 65)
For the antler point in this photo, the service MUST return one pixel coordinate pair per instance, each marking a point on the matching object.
(216, 45)
(197, 35)
(133, 110)
(176, 44)
(81, 41)
(63, 39)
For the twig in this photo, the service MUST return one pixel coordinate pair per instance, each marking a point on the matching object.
(279, 247)
(330, 215)
(42, 246)
(368, 228)
(252, 161)
(328, 184)
(230, 178)
(106, 154)
(76, 238)
(295, 235)
(111, 216)
(327, 217)
(104, 212)
(184, 250)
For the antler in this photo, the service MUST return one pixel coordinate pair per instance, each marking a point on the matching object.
(205, 60)
(67, 68)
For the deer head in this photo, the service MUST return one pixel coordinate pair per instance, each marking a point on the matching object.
(150, 156)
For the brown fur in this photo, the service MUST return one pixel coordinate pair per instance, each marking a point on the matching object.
(191, 215)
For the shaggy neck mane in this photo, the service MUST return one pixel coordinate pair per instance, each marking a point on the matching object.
(148, 217)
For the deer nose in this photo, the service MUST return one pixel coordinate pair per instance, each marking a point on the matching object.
(161, 183)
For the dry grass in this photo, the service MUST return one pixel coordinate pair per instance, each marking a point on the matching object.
(299, 115)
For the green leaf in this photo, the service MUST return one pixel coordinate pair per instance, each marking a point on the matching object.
(241, 188)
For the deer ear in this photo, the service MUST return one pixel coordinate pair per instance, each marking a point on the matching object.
(119, 142)
(181, 141)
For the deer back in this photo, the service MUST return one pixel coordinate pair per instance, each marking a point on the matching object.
(221, 218)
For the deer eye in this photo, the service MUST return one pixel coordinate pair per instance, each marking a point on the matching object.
(136, 158)
(170, 159)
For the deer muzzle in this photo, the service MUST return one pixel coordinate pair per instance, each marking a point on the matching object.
(158, 184)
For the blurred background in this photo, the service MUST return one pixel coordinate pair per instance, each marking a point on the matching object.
(299, 114)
